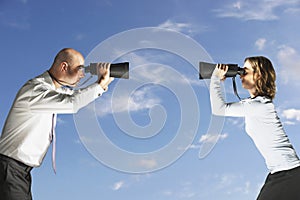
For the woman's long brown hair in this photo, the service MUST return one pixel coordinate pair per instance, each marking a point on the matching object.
(265, 76)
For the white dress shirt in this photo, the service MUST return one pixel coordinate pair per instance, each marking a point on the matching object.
(262, 124)
(27, 130)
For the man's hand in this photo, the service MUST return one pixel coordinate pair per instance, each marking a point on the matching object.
(220, 71)
(104, 78)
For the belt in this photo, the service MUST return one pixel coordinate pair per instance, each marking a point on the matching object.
(13, 161)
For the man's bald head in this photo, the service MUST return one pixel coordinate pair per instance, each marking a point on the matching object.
(67, 67)
(68, 55)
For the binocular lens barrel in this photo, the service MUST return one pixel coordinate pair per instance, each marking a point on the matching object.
(206, 70)
(117, 70)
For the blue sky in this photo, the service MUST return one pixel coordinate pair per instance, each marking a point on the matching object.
(163, 87)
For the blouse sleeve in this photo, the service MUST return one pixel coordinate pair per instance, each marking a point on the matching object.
(218, 104)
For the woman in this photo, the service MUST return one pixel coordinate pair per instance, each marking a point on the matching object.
(262, 125)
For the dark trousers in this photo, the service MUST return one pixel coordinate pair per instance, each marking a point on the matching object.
(15, 180)
(284, 185)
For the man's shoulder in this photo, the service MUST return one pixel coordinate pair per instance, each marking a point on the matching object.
(43, 78)
(40, 82)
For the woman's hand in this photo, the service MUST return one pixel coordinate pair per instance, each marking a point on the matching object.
(220, 71)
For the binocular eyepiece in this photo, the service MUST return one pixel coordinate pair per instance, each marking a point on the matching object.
(206, 70)
(117, 70)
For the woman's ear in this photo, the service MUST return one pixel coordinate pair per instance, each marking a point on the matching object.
(258, 76)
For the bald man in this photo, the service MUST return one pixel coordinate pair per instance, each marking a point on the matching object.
(29, 127)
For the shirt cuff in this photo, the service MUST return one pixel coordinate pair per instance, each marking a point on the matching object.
(99, 90)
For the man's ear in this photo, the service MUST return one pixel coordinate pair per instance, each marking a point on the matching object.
(64, 66)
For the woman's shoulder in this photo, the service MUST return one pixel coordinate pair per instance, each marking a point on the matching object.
(258, 100)
(259, 105)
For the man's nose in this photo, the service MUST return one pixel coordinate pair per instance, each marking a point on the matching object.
(82, 74)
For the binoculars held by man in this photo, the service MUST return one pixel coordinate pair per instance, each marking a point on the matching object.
(117, 70)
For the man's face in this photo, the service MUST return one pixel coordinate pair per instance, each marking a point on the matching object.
(75, 71)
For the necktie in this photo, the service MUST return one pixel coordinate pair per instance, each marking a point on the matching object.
(53, 139)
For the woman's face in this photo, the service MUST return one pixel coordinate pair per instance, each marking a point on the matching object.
(248, 79)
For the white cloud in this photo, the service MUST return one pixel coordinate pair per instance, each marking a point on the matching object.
(133, 180)
(292, 11)
(289, 60)
(246, 188)
(118, 185)
(183, 27)
(237, 5)
(256, 9)
(226, 180)
(291, 114)
(141, 99)
(89, 140)
(237, 122)
(168, 192)
(185, 191)
(194, 146)
(229, 184)
(148, 163)
(260, 43)
(206, 142)
(141, 177)
(234, 184)
(289, 123)
(212, 137)
(180, 27)
(208, 138)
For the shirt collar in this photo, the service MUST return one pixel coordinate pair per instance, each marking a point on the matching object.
(262, 99)
(47, 79)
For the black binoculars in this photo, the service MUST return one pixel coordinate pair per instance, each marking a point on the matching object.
(117, 70)
(206, 70)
